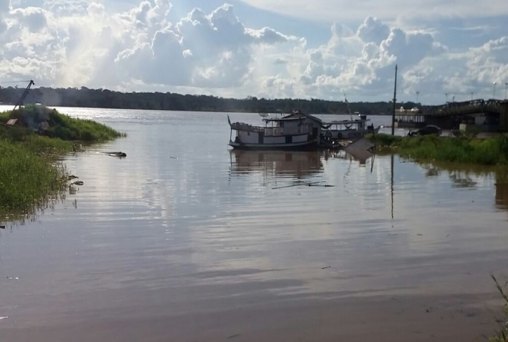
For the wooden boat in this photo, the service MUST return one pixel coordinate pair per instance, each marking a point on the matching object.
(295, 131)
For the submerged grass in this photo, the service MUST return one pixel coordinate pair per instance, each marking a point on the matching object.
(29, 172)
(27, 180)
(465, 150)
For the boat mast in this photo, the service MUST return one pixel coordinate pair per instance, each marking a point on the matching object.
(394, 101)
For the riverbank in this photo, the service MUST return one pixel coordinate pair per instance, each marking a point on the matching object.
(465, 150)
(32, 139)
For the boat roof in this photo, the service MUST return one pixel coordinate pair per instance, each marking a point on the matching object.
(295, 115)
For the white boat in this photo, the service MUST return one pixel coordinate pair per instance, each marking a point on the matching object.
(295, 131)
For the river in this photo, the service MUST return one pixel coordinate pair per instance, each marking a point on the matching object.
(186, 240)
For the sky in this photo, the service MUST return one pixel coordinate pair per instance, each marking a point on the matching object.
(445, 50)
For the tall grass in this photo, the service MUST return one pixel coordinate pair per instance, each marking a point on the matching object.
(491, 151)
(26, 180)
(63, 126)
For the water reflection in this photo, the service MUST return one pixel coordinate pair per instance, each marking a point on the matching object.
(297, 164)
(360, 156)
(472, 177)
(462, 179)
(9, 217)
(502, 195)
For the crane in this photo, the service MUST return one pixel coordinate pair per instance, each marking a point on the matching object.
(24, 95)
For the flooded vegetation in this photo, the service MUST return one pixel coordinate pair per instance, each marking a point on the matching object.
(32, 139)
(23, 192)
(186, 240)
(465, 150)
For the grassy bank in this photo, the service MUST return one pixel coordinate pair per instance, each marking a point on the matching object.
(29, 149)
(465, 150)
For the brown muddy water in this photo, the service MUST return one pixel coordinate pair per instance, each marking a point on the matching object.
(185, 240)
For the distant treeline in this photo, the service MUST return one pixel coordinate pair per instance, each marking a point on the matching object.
(103, 98)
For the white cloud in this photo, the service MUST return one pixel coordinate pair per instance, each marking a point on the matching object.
(32, 18)
(66, 7)
(488, 64)
(161, 62)
(460, 76)
(215, 52)
(372, 30)
(268, 36)
(201, 50)
(409, 48)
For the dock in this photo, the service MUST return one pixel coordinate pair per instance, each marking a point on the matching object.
(484, 115)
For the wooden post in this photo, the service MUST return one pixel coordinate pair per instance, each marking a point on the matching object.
(394, 101)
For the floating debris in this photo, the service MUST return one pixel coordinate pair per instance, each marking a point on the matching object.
(304, 184)
(78, 183)
(117, 154)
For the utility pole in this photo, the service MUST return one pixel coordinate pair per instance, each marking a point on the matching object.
(394, 101)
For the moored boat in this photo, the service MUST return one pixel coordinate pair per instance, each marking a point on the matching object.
(343, 131)
(295, 131)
